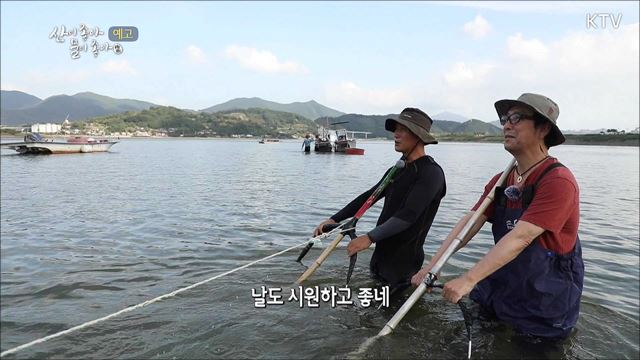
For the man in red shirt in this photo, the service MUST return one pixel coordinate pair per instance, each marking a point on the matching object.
(532, 278)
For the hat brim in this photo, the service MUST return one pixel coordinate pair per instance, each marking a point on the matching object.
(420, 132)
(555, 135)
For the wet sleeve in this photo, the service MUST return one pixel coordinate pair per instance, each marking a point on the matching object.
(352, 208)
(388, 229)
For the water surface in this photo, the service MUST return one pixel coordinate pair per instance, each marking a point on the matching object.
(86, 235)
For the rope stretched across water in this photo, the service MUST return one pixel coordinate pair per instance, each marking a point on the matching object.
(134, 307)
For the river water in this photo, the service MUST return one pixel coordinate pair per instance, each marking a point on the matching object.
(87, 235)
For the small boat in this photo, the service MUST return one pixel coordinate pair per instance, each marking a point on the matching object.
(345, 141)
(36, 144)
(325, 140)
(265, 140)
(339, 140)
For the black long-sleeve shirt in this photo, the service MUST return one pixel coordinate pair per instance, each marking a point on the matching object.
(411, 203)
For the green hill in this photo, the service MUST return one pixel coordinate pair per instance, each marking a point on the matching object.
(309, 109)
(112, 104)
(179, 122)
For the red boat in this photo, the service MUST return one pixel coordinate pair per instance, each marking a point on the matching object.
(354, 151)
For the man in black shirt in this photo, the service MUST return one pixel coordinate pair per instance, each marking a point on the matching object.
(411, 203)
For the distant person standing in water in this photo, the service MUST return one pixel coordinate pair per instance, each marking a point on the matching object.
(532, 277)
(306, 144)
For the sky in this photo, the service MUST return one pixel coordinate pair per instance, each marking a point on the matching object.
(356, 57)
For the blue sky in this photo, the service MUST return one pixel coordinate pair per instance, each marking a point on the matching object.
(362, 57)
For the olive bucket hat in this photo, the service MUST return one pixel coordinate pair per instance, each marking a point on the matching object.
(543, 107)
(417, 121)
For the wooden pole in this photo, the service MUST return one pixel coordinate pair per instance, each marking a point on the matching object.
(420, 290)
(316, 264)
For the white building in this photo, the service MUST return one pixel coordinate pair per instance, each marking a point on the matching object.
(46, 128)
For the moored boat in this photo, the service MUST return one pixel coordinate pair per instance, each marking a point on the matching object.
(338, 140)
(345, 141)
(36, 144)
(325, 140)
(266, 140)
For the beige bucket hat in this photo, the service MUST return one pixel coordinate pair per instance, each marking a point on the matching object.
(542, 106)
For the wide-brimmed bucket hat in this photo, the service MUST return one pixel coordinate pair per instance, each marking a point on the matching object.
(417, 121)
(541, 105)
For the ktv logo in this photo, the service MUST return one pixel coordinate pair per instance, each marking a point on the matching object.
(604, 20)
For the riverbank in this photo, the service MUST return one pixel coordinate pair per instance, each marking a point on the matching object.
(587, 139)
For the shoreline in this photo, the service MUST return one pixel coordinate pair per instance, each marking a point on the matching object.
(590, 139)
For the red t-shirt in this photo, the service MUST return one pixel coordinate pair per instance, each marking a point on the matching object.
(555, 206)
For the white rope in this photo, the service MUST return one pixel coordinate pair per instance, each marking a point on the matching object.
(318, 239)
(131, 308)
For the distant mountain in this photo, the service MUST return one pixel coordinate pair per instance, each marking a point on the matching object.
(444, 126)
(496, 124)
(112, 104)
(449, 116)
(375, 125)
(475, 126)
(79, 107)
(309, 109)
(11, 99)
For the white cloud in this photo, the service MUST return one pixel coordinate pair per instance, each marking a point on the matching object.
(597, 77)
(593, 76)
(477, 28)
(120, 67)
(467, 75)
(263, 61)
(602, 52)
(350, 97)
(195, 55)
(522, 49)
